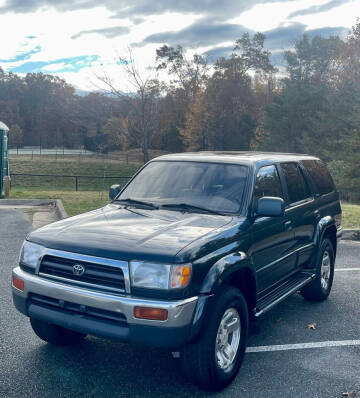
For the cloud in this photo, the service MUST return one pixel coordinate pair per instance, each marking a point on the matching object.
(107, 32)
(60, 65)
(320, 8)
(141, 8)
(208, 32)
(22, 56)
(218, 52)
(204, 33)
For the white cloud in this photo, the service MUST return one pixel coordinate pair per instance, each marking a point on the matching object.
(52, 32)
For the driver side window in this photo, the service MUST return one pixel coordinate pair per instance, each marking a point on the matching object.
(267, 183)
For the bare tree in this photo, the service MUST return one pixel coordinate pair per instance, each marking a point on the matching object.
(141, 121)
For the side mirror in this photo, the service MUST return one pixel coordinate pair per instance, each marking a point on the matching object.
(269, 206)
(114, 191)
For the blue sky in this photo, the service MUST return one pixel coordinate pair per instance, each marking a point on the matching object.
(80, 39)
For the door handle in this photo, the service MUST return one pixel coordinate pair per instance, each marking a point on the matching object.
(287, 223)
(317, 214)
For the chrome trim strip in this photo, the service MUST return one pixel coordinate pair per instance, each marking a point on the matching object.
(89, 259)
(75, 282)
(284, 257)
(300, 203)
(180, 312)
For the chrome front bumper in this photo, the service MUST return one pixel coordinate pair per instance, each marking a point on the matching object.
(180, 312)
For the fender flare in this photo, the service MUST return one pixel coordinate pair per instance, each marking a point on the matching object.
(322, 226)
(215, 277)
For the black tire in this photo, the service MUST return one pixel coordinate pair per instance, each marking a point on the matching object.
(315, 290)
(198, 360)
(54, 334)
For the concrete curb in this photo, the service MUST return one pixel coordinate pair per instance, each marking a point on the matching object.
(57, 203)
(60, 210)
(351, 234)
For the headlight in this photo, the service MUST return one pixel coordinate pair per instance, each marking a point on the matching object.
(30, 254)
(159, 276)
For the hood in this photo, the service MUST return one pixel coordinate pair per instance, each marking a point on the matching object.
(129, 233)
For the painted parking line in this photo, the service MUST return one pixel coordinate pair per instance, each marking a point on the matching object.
(346, 269)
(303, 346)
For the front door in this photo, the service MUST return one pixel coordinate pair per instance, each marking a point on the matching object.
(273, 237)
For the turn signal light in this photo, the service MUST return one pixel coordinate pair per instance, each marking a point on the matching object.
(18, 283)
(180, 276)
(154, 314)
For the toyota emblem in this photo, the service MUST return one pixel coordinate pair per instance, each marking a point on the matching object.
(78, 269)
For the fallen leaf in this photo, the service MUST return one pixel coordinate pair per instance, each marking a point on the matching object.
(349, 394)
(311, 326)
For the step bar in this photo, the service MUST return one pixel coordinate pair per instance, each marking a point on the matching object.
(294, 287)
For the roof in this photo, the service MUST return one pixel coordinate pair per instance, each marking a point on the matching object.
(250, 157)
(3, 127)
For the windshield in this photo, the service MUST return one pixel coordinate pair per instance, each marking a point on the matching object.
(217, 187)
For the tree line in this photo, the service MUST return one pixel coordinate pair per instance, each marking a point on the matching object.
(240, 102)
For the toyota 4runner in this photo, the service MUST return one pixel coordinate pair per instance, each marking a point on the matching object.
(194, 247)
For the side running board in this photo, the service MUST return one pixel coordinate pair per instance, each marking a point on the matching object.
(283, 291)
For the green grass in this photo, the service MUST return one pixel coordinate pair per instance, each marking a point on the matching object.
(74, 202)
(350, 216)
(69, 166)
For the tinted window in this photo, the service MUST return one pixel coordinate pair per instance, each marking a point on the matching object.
(297, 186)
(320, 175)
(215, 186)
(267, 183)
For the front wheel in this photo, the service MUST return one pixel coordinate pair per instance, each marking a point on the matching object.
(319, 288)
(213, 361)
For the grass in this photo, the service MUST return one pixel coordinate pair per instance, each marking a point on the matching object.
(350, 216)
(70, 167)
(74, 202)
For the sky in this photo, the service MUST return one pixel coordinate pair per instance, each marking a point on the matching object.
(80, 40)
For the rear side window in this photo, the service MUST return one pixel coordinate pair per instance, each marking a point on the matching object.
(267, 183)
(297, 187)
(320, 175)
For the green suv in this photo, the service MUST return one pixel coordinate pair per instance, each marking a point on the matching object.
(190, 251)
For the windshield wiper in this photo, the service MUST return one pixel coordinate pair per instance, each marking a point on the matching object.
(186, 206)
(137, 202)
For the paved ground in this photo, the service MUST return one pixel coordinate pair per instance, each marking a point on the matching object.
(99, 368)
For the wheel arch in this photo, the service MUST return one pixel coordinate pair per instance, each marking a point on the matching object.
(234, 270)
(326, 228)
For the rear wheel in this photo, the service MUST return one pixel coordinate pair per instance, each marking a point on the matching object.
(319, 289)
(54, 334)
(213, 361)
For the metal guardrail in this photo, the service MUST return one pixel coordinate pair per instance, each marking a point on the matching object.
(54, 177)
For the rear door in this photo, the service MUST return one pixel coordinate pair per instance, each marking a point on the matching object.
(300, 209)
(273, 237)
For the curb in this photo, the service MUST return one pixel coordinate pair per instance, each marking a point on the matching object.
(57, 203)
(60, 210)
(350, 234)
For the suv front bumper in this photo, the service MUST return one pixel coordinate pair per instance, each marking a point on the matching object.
(103, 314)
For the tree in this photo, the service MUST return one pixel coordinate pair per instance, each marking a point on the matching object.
(223, 115)
(16, 135)
(298, 118)
(141, 122)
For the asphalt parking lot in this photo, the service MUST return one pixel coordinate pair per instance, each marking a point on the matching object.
(285, 358)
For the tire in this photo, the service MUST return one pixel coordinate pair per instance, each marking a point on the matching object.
(54, 334)
(198, 359)
(319, 288)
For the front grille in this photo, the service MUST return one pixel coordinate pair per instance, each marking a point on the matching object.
(84, 310)
(96, 276)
